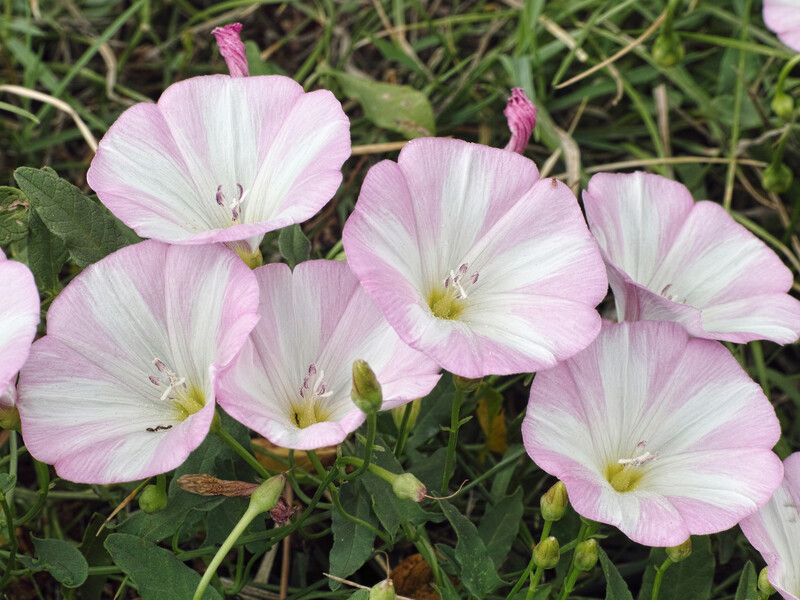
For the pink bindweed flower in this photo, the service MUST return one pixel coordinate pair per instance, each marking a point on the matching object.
(232, 49)
(521, 115)
(474, 260)
(292, 381)
(122, 385)
(19, 316)
(775, 532)
(783, 17)
(669, 258)
(223, 159)
(658, 434)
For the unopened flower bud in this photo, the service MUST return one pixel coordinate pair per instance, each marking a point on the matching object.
(586, 555)
(547, 553)
(399, 411)
(777, 178)
(383, 591)
(266, 496)
(783, 105)
(206, 485)
(408, 487)
(668, 49)
(366, 392)
(466, 385)
(764, 586)
(9, 415)
(554, 502)
(680, 552)
(152, 499)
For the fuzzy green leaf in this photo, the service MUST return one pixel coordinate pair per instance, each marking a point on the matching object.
(748, 584)
(14, 207)
(46, 257)
(616, 588)
(294, 245)
(499, 527)
(690, 578)
(59, 558)
(352, 543)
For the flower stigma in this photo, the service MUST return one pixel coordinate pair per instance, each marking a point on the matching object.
(235, 206)
(670, 297)
(447, 302)
(308, 409)
(625, 474)
(186, 400)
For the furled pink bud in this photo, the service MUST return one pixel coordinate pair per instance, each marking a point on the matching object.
(521, 115)
(232, 49)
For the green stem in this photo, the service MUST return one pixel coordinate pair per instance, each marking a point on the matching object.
(546, 530)
(222, 433)
(534, 582)
(337, 247)
(248, 516)
(12, 537)
(402, 433)
(787, 68)
(458, 396)
(372, 426)
(659, 576)
(43, 475)
(525, 574)
(572, 574)
(12, 467)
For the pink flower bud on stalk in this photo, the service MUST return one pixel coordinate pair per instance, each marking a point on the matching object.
(9, 415)
(764, 586)
(521, 115)
(586, 555)
(366, 392)
(263, 499)
(408, 487)
(232, 49)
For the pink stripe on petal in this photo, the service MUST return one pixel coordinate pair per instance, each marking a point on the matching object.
(521, 115)
(232, 49)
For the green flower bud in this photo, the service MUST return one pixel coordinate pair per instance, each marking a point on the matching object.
(465, 385)
(9, 418)
(585, 555)
(399, 411)
(366, 392)
(680, 552)
(554, 502)
(383, 591)
(547, 553)
(152, 499)
(764, 586)
(668, 49)
(783, 105)
(266, 496)
(777, 178)
(408, 487)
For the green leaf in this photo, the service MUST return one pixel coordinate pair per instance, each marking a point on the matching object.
(59, 558)
(616, 588)
(256, 65)
(7, 482)
(156, 572)
(499, 527)
(352, 543)
(14, 209)
(294, 245)
(478, 573)
(88, 231)
(96, 555)
(690, 578)
(398, 108)
(748, 584)
(18, 111)
(46, 256)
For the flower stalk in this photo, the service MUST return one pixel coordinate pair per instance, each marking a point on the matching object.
(225, 436)
(455, 424)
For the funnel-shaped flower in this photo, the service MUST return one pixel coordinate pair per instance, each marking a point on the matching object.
(775, 532)
(474, 260)
(222, 159)
(122, 385)
(783, 17)
(19, 316)
(673, 260)
(661, 435)
(292, 380)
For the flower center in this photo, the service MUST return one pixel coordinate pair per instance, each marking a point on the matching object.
(309, 408)
(447, 302)
(186, 400)
(234, 206)
(625, 474)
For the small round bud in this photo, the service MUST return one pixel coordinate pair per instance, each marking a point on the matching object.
(9, 418)
(152, 499)
(466, 385)
(554, 502)
(399, 411)
(764, 586)
(266, 496)
(383, 590)
(408, 487)
(366, 392)
(680, 552)
(783, 105)
(586, 555)
(668, 49)
(547, 553)
(777, 178)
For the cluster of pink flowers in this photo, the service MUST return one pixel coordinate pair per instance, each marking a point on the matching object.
(459, 257)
